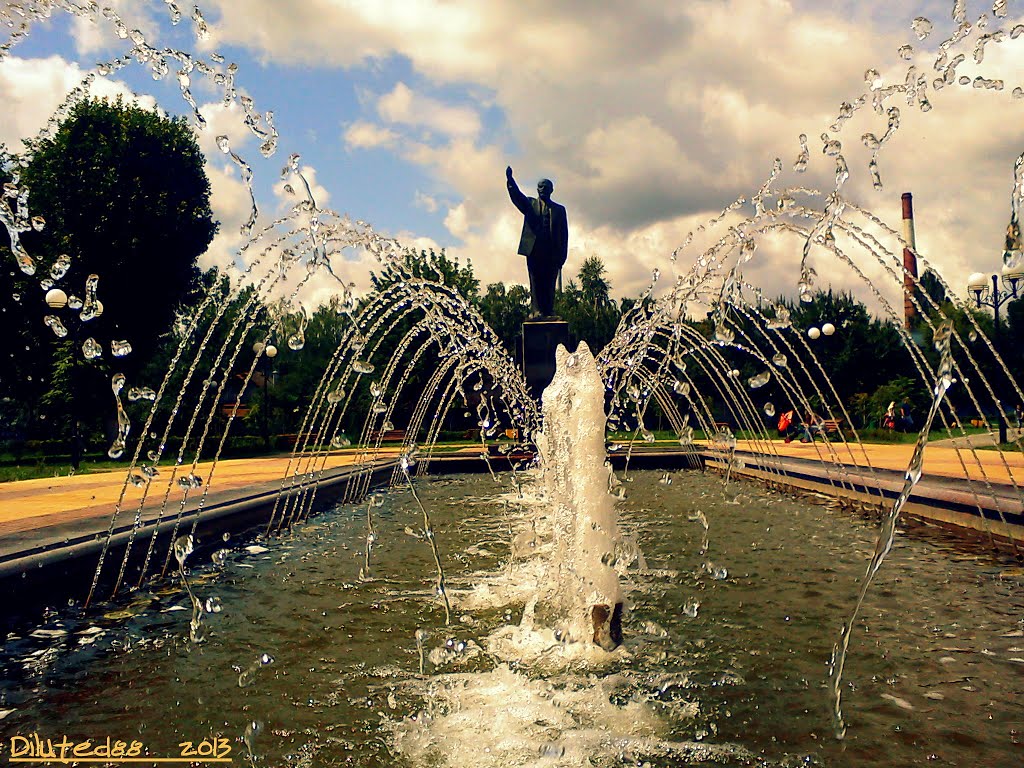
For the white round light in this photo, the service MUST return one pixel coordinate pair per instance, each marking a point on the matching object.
(271, 350)
(1015, 272)
(56, 298)
(828, 329)
(813, 332)
(258, 348)
(977, 282)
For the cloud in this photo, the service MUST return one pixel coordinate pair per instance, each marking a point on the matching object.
(98, 36)
(404, 106)
(651, 117)
(364, 135)
(32, 89)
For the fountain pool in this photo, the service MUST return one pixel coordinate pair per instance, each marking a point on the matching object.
(717, 670)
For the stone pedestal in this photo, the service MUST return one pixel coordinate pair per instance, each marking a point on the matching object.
(540, 337)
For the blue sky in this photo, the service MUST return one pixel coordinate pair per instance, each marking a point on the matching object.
(651, 117)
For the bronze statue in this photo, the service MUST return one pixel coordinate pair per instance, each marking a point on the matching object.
(544, 242)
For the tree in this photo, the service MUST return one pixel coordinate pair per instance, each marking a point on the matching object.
(587, 306)
(122, 192)
(592, 283)
(505, 310)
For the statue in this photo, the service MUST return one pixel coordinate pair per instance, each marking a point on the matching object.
(544, 242)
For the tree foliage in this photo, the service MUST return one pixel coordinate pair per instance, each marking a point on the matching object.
(122, 192)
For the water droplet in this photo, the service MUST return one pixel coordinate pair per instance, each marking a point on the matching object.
(906, 52)
(91, 307)
(690, 608)
(38, 223)
(922, 27)
(769, 409)
(183, 547)
(781, 319)
(213, 604)
(190, 481)
(60, 266)
(54, 324)
(758, 381)
(335, 396)
(780, 360)
(717, 572)
(91, 349)
(363, 367)
(681, 388)
(120, 348)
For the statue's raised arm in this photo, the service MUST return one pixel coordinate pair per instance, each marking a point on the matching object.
(519, 200)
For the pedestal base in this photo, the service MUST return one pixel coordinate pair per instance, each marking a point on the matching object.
(540, 337)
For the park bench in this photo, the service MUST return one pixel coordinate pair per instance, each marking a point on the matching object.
(292, 439)
(829, 426)
(388, 436)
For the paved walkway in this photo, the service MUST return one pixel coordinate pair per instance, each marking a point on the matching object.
(28, 505)
(938, 460)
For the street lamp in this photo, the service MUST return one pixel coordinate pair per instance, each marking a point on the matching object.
(267, 352)
(56, 298)
(978, 289)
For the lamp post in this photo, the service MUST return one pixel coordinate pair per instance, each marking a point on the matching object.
(267, 352)
(977, 288)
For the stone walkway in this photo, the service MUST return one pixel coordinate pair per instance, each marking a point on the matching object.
(29, 505)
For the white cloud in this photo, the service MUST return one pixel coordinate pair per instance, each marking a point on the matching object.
(364, 135)
(651, 117)
(98, 36)
(404, 106)
(32, 89)
(425, 201)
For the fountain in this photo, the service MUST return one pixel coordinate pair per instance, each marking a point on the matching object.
(583, 639)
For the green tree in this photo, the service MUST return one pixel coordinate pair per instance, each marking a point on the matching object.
(587, 306)
(122, 192)
(505, 310)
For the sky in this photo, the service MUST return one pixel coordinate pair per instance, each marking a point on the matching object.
(650, 117)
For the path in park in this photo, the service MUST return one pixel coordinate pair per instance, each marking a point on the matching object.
(29, 508)
(30, 504)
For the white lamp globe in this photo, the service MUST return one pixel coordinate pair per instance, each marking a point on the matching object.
(977, 282)
(56, 298)
(828, 329)
(1013, 272)
(813, 332)
(271, 350)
